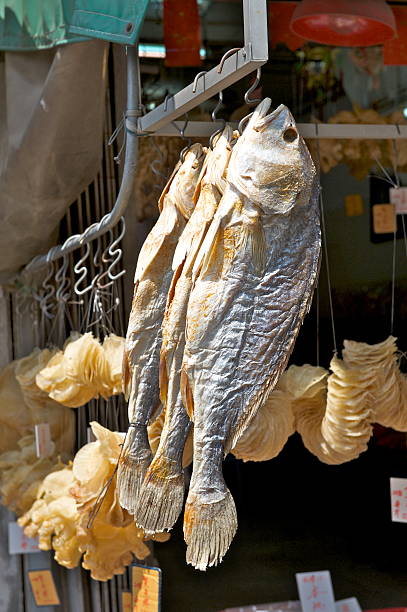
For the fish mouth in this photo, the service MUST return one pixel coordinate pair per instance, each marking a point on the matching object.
(280, 116)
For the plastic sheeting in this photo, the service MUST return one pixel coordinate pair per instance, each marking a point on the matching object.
(51, 126)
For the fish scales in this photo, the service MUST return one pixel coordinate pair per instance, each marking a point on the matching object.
(245, 310)
(162, 493)
(143, 339)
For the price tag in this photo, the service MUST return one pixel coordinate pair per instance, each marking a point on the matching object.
(18, 543)
(354, 205)
(43, 588)
(43, 444)
(316, 592)
(348, 605)
(384, 218)
(126, 601)
(398, 197)
(146, 588)
(398, 494)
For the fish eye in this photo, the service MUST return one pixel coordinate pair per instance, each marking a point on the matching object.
(290, 134)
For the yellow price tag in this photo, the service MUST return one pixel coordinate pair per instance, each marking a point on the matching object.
(146, 588)
(384, 218)
(354, 205)
(43, 588)
(126, 601)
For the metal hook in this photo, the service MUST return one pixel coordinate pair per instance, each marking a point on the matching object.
(82, 271)
(167, 97)
(115, 256)
(198, 76)
(251, 102)
(214, 118)
(48, 290)
(62, 281)
(242, 123)
(227, 54)
(182, 134)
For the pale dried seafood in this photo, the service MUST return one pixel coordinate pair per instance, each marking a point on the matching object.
(63, 515)
(83, 370)
(141, 362)
(254, 277)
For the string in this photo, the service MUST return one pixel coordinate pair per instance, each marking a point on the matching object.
(393, 278)
(325, 245)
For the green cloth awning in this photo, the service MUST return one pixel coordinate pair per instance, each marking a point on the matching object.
(109, 19)
(28, 25)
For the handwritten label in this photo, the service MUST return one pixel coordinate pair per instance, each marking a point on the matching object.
(18, 543)
(43, 443)
(384, 218)
(398, 197)
(354, 205)
(126, 601)
(316, 592)
(146, 588)
(43, 588)
(398, 494)
(348, 605)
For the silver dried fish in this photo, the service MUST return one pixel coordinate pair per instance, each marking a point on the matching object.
(162, 493)
(143, 340)
(256, 272)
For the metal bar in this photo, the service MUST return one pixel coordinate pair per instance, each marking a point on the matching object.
(235, 67)
(129, 172)
(203, 129)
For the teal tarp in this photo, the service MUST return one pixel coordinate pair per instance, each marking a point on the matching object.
(40, 24)
(27, 25)
(114, 20)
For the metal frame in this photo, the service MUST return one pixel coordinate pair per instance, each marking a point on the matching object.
(203, 129)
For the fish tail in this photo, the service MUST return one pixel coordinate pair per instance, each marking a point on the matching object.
(161, 496)
(132, 468)
(209, 529)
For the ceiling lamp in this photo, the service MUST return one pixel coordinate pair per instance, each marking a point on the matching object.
(344, 23)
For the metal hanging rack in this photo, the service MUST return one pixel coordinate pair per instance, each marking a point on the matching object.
(235, 64)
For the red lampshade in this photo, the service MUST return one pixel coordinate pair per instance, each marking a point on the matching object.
(344, 23)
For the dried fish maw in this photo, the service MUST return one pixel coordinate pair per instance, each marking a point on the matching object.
(162, 493)
(113, 347)
(242, 322)
(53, 517)
(143, 339)
(269, 431)
(14, 415)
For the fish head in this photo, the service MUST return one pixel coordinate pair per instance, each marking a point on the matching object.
(270, 163)
(184, 183)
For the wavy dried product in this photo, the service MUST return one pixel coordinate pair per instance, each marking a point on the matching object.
(143, 339)
(162, 493)
(256, 273)
(388, 384)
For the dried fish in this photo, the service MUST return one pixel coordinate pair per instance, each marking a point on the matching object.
(143, 340)
(162, 493)
(255, 275)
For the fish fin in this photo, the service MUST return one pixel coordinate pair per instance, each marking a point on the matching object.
(133, 465)
(207, 249)
(250, 411)
(209, 529)
(253, 235)
(151, 248)
(161, 496)
(186, 394)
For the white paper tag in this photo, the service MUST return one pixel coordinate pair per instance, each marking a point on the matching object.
(348, 605)
(18, 543)
(316, 592)
(43, 443)
(398, 197)
(398, 494)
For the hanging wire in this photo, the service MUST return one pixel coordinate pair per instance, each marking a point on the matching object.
(327, 266)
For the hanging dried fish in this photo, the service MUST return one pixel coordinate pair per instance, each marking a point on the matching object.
(256, 272)
(143, 340)
(162, 493)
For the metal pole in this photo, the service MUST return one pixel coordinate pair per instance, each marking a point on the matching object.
(126, 187)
